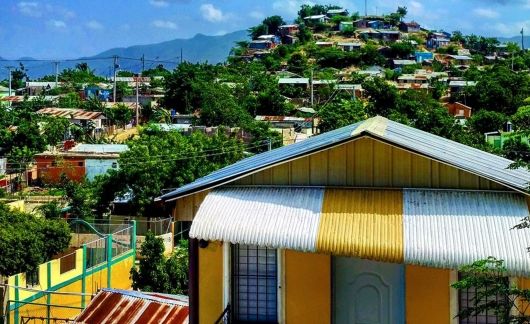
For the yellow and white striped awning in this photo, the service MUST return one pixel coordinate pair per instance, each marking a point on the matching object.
(435, 228)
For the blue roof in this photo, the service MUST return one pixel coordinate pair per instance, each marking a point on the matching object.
(461, 156)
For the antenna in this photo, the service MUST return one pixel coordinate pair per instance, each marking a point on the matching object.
(365, 8)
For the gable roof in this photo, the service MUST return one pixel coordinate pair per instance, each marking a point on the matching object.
(483, 164)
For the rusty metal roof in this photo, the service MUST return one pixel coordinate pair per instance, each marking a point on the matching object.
(69, 113)
(126, 306)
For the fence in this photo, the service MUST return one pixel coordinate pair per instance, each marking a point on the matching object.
(63, 286)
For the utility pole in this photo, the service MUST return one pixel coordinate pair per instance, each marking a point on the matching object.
(115, 74)
(56, 73)
(137, 100)
(522, 38)
(269, 144)
(312, 89)
(143, 63)
(10, 69)
(181, 58)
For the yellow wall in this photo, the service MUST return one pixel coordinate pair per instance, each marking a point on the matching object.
(366, 162)
(17, 205)
(427, 295)
(307, 287)
(210, 282)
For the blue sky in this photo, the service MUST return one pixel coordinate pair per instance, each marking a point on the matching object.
(73, 28)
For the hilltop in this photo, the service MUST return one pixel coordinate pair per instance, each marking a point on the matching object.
(200, 48)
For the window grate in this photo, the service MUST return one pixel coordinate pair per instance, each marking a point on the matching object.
(466, 300)
(254, 284)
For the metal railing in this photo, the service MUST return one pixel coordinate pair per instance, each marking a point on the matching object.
(224, 318)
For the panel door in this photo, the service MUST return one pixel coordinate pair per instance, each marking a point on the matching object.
(368, 292)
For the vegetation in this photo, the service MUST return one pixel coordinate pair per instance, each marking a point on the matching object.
(157, 273)
(27, 241)
(494, 294)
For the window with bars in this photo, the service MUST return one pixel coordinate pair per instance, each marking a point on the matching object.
(466, 299)
(254, 284)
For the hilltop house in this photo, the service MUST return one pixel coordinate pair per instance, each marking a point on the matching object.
(76, 116)
(349, 46)
(366, 224)
(409, 27)
(317, 19)
(285, 30)
(345, 25)
(337, 12)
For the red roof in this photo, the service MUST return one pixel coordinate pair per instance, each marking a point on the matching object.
(126, 306)
(72, 113)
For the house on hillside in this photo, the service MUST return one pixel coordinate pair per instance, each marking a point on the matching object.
(324, 44)
(389, 35)
(399, 64)
(456, 86)
(460, 61)
(409, 27)
(35, 88)
(317, 19)
(458, 110)
(260, 44)
(423, 56)
(337, 12)
(368, 223)
(286, 30)
(349, 46)
(346, 25)
(437, 40)
(79, 117)
(78, 162)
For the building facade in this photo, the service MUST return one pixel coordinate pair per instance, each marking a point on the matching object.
(365, 224)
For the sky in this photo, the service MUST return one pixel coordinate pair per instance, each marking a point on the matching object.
(58, 29)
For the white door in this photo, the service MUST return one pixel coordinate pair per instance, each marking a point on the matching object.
(368, 292)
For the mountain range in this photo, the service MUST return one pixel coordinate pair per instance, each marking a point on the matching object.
(200, 48)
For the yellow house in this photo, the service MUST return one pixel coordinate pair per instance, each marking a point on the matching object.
(365, 224)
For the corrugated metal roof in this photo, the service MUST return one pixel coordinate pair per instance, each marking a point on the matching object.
(478, 162)
(448, 229)
(365, 224)
(123, 306)
(79, 114)
(260, 161)
(100, 148)
(484, 164)
(272, 217)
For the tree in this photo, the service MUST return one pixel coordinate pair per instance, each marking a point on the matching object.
(119, 114)
(521, 119)
(402, 12)
(487, 121)
(273, 23)
(156, 273)
(382, 96)
(304, 34)
(50, 210)
(158, 160)
(341, 113)
(257, 31)
(54, 129)
(27, 241)
(219, 107)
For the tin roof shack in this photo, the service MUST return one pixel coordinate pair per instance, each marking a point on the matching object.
(293, 129)
(349, 46)
(261, 44)
(337, 12)
(316, 19)
(459, 110)
(409, 27)
(76, 116)
(126, 306)
(35, 88)
(459, 61)
(456, 86)
(373, 219)
(288, 30)
(83, 160)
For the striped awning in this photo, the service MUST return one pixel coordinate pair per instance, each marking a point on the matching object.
(436, 228)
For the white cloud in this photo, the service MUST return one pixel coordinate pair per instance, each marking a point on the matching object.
(95, 25)
(289, 7)
(31, 9)
(159, 3)
(485, 13)
(256, 14)
(166, 24)
(415, 8)
(57, 23)
(212, 14)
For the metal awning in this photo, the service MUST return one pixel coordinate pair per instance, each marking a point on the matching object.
(435, 228)
(273, 217)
